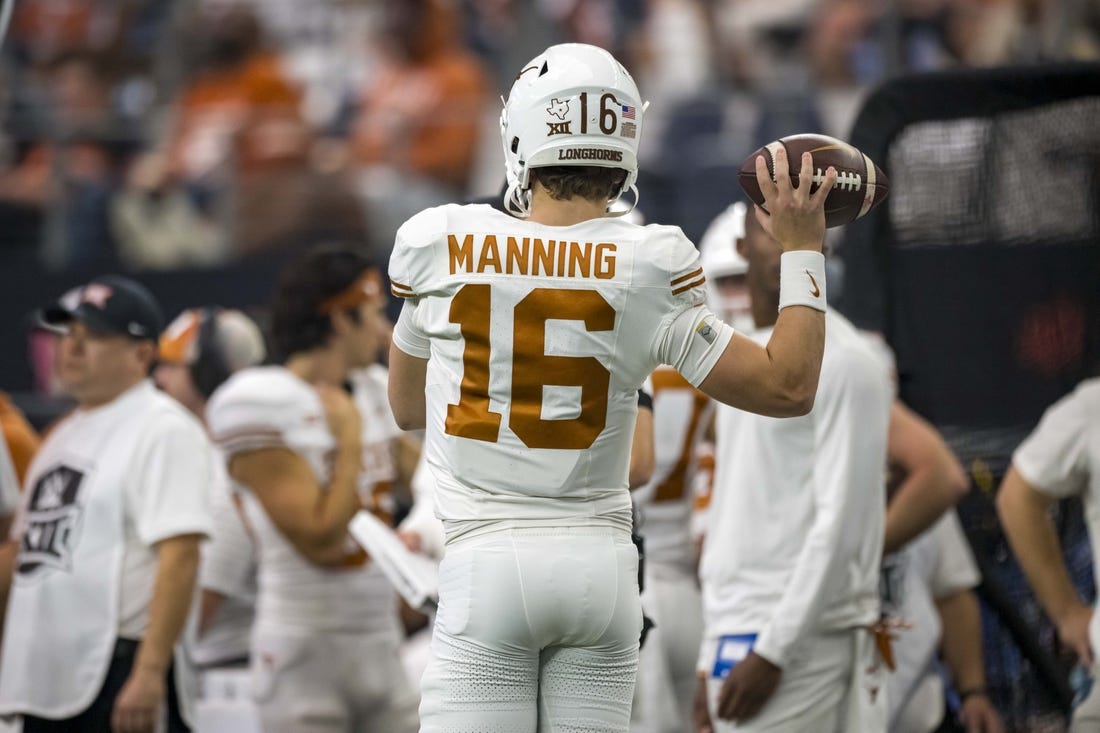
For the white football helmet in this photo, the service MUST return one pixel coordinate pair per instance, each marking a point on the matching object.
(574, 104)
(721, 261)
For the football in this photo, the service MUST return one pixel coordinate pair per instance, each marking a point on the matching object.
(860, 184)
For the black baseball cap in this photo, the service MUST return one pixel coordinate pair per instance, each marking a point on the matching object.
(112, 304)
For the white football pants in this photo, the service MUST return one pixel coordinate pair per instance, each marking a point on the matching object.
(835, 684)
(666, 667)
(537, 632)
(329, 682)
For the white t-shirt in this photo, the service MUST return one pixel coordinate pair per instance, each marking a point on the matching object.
(933, 567)
(794, 534)
(681, 414)
(270, 407)
(1061, 458)
(106, 486)
(229, 568)
(538, 338)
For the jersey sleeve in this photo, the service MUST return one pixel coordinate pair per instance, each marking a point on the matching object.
(1054, 458)
(242, 416)
(407, 333)
(691, 338)
(410, 268)
(169, 491)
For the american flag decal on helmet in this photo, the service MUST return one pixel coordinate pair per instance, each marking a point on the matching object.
(629, 113)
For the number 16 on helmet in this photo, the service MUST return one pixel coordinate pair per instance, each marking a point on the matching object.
(574, 104)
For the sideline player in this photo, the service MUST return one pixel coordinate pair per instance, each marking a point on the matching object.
(521, 347)
(1060, 458)
(199, 351)
(326, 635)
(791, 557)
(666, 667)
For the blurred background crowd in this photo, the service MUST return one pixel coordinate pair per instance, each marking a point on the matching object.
(159, 134)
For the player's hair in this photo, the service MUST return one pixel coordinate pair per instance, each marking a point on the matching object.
(588, 181)
(298, 320)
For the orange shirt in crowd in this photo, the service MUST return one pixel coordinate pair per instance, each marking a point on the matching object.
(250, 112)
(424, 118)
(423, 112)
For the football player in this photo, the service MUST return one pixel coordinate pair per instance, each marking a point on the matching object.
(791, 557)
(521, 346)
(667, 505)
(326, 634)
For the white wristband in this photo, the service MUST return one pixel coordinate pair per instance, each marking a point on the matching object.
(802, 280)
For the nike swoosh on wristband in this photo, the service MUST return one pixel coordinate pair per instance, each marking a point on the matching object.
(816, 292)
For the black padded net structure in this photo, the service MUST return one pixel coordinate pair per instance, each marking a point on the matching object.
(982, 271)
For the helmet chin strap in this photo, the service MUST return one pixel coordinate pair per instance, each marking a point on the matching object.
(517, 200)
(633, 204)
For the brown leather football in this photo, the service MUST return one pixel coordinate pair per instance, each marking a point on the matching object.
(860, 184)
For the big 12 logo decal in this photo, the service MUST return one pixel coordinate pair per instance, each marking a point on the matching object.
(52, 519)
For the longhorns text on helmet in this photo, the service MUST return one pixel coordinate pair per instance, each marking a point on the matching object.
(574, 104)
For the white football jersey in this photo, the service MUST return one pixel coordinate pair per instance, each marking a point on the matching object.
(267, 407)
(228, 567)
(539, 337)
(681, 414)
(380, 430)
(933, 567)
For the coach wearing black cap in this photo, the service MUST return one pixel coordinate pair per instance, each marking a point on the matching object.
(106, 547)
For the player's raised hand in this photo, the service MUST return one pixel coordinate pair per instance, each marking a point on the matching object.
(795, 218)
(343, 416)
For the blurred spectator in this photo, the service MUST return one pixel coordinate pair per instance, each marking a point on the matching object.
(239, 107)
(73, 163)
(43, 30)
(838, 48)
(417, 131)
(671, 54)
(421, 112)
(236, 176)
(323, 46)
(158, 225)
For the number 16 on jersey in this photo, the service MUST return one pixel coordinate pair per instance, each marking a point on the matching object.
(532, 368)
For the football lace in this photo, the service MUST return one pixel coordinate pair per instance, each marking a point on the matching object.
(845, 180)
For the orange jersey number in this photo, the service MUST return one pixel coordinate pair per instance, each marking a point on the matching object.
(676, 483)
(532, 368)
